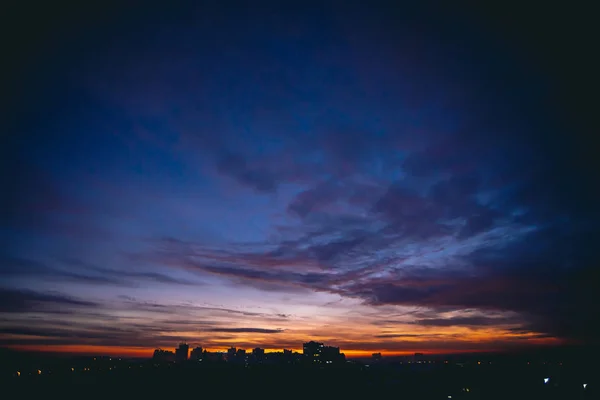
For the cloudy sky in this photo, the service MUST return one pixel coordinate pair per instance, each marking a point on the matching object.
(377, 179)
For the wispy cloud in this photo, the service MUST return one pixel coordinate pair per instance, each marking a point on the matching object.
(77, 271)
(19, 301)
(245, 330)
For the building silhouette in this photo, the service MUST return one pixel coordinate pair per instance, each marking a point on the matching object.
(312, 350)
(288, 356)
(236, 355)
(240, 356)
(161, 355)
(231, 354)
(331, 354)
(316, 352)
(196, 354)
(312, 353)
(258, 355)
(212, 357)
(181, 353)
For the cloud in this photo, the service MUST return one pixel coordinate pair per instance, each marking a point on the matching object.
(12, 266)
(245, 330)
(189, 310)
(100, 334)
(478, 223)
(77, 271)
(150, 324)
(157, 277)
(281, 277)
(238, 167)
(475, 271)
(559, 303)
(408, 213)
(313, 199)
(329, 251)
(19, 301)
(410, 335)
(464, 321)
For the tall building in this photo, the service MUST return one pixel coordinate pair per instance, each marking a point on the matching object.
(196, 354)
(236, 355)
(231, 354)
(331, 354)
(241, 355)
(258, 355)
(212, 357)
(181, 353)
(312, 350)
(287, 356)
(319, 353)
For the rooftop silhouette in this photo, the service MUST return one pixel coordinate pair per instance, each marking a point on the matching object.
(475, 376)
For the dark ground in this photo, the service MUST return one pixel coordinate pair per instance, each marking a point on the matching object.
(438, 380)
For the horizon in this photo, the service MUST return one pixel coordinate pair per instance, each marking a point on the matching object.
(145, 353)
(385, 179)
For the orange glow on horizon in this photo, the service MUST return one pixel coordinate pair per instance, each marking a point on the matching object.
(147, 352)
(115, 351)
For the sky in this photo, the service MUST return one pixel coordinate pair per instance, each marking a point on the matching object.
(376, 179)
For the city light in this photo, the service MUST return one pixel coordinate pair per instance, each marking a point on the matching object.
(259, 357)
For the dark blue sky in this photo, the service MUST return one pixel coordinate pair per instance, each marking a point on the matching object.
(410, 179)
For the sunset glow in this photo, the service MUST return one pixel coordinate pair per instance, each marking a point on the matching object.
(231, 183)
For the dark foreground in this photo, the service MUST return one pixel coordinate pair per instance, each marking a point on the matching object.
(441, 381)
